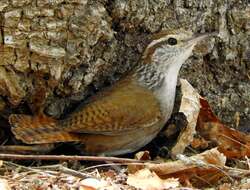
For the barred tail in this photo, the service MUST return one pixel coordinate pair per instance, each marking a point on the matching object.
(39, 129)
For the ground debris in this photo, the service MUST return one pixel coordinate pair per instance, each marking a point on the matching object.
(59, 177)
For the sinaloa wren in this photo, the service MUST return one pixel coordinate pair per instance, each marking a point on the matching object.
(126, 116)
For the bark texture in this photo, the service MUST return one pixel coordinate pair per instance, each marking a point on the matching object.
(54, 53)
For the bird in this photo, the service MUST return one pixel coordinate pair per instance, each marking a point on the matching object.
(125, 116)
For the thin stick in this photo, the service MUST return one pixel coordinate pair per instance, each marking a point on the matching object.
(63, 169)
(73, 172)
(13, 165)
(67, 158)
(58, 168)
(112, 164)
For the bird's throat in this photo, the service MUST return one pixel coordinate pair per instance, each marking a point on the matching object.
(149, 76)
(166, 93)
(162, 82)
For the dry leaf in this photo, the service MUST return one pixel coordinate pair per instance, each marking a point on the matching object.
(199, 170)
(92, 184)
(142, 155)
(225, 186)
(190, 106)
(146, 180)
(207, 158)
(232, 143)
(199, 142)
(4, 185)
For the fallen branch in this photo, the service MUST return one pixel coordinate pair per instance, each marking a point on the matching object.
(67, 158)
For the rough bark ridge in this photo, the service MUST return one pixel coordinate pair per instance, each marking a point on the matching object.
(54, 53)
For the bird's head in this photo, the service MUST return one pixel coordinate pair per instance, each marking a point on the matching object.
(171, 48)
(164, 56)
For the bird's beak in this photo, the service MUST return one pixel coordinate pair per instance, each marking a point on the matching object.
(196, 38)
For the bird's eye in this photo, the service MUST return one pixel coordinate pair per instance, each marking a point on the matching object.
(172, 41)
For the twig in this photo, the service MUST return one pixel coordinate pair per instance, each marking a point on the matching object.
(67, 158)
(58, 168)
(13, 165)
(49, 167)
(63, 169)
(73, 172)
(112, 164)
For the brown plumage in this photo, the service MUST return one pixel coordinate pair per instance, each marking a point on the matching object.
(124, 117)
(133, 110)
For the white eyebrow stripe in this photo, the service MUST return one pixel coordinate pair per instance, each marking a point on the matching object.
(153, 43)
(157, 41)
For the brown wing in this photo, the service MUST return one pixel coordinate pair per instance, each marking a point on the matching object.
(123, 107)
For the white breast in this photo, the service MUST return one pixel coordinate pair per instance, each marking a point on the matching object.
(166, 94)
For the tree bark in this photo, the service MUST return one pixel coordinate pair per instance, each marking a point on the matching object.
(55, 53)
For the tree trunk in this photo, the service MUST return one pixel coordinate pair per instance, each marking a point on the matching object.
(55, 53)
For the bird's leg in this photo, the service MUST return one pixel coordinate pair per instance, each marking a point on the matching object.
(21, 149)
